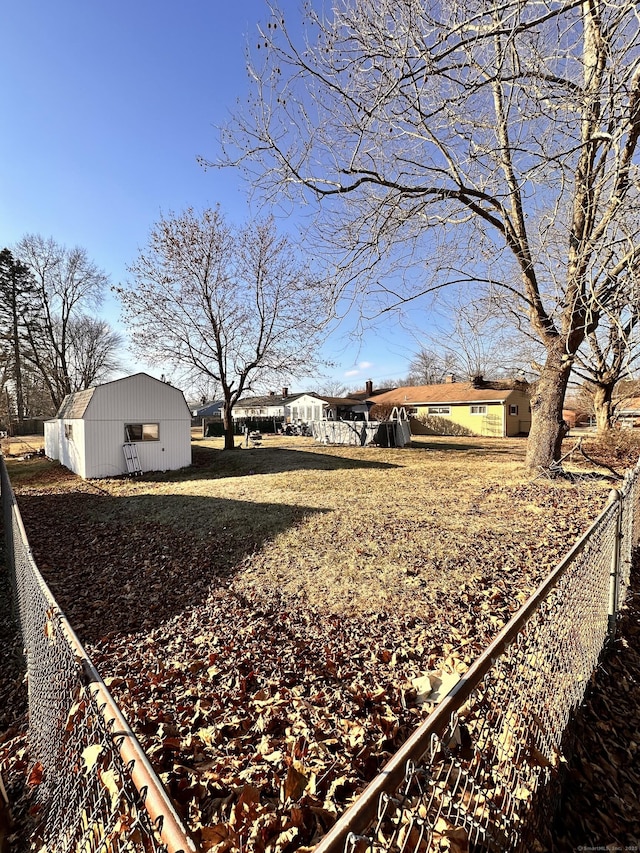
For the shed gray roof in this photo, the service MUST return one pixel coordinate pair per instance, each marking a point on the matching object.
(75, 405)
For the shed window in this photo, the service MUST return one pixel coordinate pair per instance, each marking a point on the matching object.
(439, 410)
(142, 432)
(478, 410)
(513, 410)
(68, 432)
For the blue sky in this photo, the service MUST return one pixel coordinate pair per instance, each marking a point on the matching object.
(106, 107)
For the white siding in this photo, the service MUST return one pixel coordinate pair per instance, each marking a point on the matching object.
(306, 408)
(137, 399)
(105, 457)
(72, 450)
(51, 439)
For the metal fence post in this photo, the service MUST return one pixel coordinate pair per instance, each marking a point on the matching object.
(614, 576)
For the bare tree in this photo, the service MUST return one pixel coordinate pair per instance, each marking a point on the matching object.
(483, 340)
(236, 306)
(462, 141)
(37, 399)
(430, 367)
(332, 388)
(67, 283)
(607, 360)
(203, 390)
(471, 339)
(94, 350)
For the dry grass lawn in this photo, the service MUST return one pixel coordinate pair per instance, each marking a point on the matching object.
(356, 530)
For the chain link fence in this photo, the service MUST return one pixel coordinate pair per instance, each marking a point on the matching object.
(95, 790)
(484, 770)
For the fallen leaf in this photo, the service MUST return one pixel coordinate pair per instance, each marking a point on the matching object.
(36, 775)
(111, 782)
(294, 784)
(90, 756)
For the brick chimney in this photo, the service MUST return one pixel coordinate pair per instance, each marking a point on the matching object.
(368, 387)
(285, 391)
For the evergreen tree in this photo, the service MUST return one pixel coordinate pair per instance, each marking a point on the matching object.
(17, 299)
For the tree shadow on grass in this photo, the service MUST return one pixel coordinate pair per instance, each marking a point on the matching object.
(211, 462)
(129, 564)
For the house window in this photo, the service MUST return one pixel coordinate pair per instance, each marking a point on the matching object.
(68, 432)
(439, 410)
(142, 432)
(513, 410)
(478, 410)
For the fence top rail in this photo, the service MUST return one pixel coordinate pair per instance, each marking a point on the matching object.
(157, 803)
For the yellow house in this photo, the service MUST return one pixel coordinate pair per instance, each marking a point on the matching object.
(480, 407)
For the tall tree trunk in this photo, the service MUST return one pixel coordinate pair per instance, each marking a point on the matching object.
(17, 367)
(603, 407)
(547, 424)
(227, 421)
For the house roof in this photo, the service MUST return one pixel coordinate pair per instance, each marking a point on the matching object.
(341, 401)
(278, 400)
(209, 409)
(357, 398)
(351, 400)
(367, 395)
(448, 392)
(265, 400)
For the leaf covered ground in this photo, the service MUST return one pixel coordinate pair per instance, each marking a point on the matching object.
(261, 617)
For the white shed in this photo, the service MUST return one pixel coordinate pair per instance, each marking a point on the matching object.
(92, 427)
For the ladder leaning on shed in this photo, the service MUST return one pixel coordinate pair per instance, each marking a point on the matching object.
(131, 458)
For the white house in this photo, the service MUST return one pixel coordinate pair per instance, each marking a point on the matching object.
(628, 413)
(307, 406)
(318, 407)
(92, 427)
(270, 405)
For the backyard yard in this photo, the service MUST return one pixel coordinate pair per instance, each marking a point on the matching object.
(264, 616)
